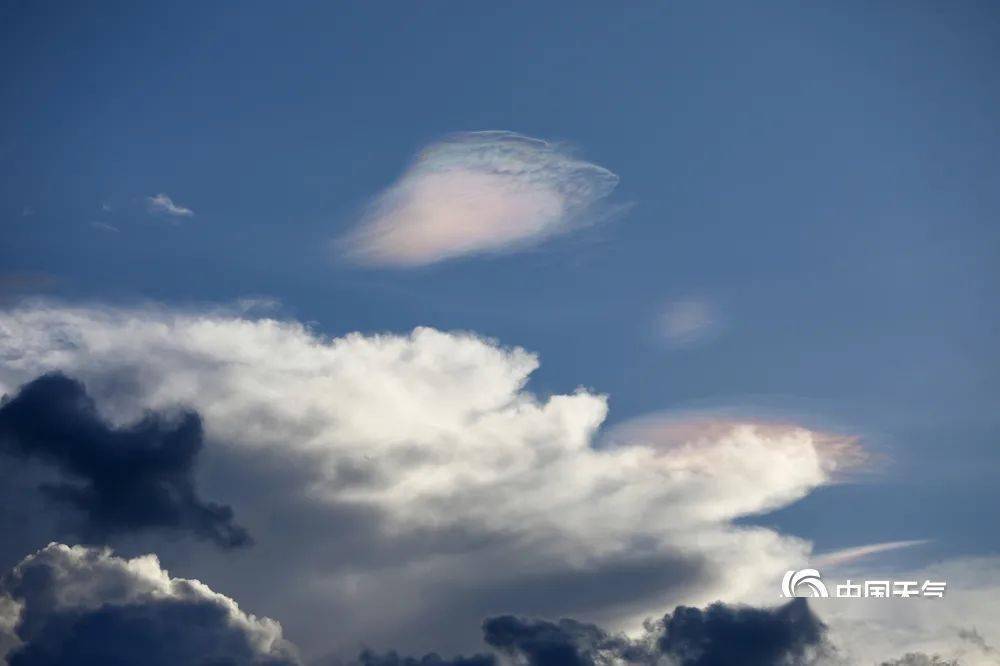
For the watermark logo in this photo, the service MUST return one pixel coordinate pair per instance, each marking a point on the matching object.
(809, 580)
(806, 578)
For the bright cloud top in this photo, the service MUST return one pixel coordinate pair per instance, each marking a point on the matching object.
(474, 193)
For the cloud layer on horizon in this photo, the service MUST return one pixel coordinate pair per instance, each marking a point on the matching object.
(475, 193)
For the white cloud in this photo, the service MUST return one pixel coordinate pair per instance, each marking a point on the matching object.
(474, 193)
(846, 555)
(161, 203)
(963, 626)
(435, 433)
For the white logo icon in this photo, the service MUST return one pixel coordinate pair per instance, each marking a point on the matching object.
(804, 577)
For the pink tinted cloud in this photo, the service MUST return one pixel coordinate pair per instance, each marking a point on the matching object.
(477, 193)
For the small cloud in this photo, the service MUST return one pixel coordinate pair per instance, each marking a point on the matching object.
(161, 203)
(27, 211)
(477, 193)
(688, 322)
(106, 207)
(104, 226)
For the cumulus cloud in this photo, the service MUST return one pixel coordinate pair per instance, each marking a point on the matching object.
(389, 474)
(475, 193)
(84, 605)
(123, 479)
(164, 205)
(476, 495)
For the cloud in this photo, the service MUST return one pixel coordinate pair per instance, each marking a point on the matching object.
(688, 322)
(163, 204)
(788, 635)
(104, 226)
(84, 605)
(476, 193)
(390, 474)
(920, 659)
(133, 478)
(370, 658)
(920, 631)
(423, 472)
(845, 555)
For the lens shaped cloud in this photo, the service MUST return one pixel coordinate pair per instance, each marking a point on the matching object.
(477, 193)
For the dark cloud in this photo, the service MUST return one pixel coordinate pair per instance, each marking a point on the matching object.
(84, 606)
(121, 479)
(719, 635)
(158, 633)
(369, 658)
(562, 643)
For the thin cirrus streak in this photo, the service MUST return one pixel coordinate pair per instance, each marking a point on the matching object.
(838, 557)
(476, 193)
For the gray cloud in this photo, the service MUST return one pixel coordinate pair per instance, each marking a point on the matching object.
(120, 479)
(76, 605)
(719, 635)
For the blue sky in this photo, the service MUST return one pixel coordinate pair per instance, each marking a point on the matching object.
(821, 181)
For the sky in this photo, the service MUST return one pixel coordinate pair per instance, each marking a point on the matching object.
(642, 305)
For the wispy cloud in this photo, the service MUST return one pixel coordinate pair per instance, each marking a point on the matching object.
(687, 322)
(161, 203)
(104, 226)
(838, 557)
(476, 193)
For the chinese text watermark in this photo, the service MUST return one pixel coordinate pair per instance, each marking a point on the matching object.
(808, 582)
